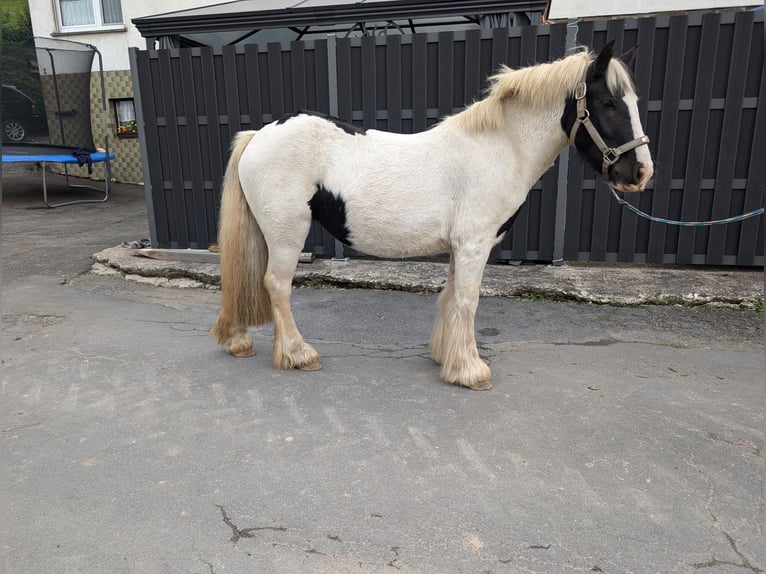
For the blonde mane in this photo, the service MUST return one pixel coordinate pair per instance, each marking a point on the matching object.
(543, 85)
(618, 78)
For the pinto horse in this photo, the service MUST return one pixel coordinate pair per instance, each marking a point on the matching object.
(454, 188)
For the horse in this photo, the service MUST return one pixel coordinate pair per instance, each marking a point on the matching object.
(454, 188)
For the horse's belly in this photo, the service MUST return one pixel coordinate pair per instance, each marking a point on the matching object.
(401, 237)
(399, 247)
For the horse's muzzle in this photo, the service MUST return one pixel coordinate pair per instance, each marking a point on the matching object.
(643, 175)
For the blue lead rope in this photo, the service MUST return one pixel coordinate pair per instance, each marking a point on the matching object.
(637, 211)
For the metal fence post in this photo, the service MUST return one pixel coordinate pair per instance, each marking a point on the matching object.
(332, 83)
(138, 103)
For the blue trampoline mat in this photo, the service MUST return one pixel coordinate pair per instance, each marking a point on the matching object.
(29, 152)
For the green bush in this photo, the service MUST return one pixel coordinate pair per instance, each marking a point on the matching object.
(18, 50)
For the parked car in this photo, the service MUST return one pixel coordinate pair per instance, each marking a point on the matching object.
(20, 115)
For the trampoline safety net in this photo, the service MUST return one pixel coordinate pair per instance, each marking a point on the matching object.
(47, 86)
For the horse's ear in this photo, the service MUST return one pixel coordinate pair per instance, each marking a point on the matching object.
(602, 61)
(629, 58)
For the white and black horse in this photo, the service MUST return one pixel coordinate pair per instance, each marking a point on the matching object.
(453, 188)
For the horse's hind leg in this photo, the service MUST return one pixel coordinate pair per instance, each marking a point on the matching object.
(439, 334)
(460, 359)
(290, 349)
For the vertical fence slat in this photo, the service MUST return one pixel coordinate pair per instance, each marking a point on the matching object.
(213, 141)
(445, 76)
(703, 92)
(321, 61)
(298, 75)
(345, 74)
(232, 95)
(473, 79)
(253, 79)
(369, 101)
(200, 208)
(276, 82)
(735, 90)
(636, 227)
(419, 83)
(499, 48)
(667, 138)
(394, 83)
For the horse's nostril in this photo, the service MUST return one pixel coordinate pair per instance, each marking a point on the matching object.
(644, 173)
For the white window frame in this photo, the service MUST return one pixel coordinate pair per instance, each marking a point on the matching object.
(98, 25)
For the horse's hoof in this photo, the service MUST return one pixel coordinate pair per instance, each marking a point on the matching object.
(243, 353)
(312, 366)
(480, 386)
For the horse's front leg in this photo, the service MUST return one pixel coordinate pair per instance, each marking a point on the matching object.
(458, 355)
(290, 350)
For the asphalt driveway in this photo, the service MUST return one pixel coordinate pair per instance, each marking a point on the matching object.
(616, 438)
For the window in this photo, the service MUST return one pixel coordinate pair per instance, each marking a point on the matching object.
(77, 15)
(125, 112)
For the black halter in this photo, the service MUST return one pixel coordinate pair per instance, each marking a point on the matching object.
(610, 154)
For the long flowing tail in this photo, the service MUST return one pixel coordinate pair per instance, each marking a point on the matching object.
(244, 255)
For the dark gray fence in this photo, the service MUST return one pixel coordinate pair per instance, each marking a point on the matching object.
(701, 80)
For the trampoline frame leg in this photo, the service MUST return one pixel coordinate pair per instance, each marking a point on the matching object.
(105, 190)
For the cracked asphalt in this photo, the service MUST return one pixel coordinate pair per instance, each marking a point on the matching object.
(616, 438)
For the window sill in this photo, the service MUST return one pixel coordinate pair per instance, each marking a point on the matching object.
(84, 31)
(127, 136)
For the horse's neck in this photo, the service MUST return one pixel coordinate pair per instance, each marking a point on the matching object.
(535, 138)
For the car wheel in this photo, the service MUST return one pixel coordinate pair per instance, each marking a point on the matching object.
(14, 130)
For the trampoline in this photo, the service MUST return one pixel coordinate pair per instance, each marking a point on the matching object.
(23, 152)
(62, 75)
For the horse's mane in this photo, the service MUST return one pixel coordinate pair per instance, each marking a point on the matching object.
(543, 85)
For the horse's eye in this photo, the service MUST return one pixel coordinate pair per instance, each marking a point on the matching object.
(608, 103)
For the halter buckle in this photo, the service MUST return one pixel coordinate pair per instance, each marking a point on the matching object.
(611, 156)
(580, 91)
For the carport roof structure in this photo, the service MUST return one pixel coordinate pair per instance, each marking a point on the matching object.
(262, 14)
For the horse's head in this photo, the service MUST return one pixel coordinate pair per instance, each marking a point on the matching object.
(602, 122)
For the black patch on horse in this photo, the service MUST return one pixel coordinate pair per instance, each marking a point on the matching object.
(345, 126)
(330, 210)
(508, 223)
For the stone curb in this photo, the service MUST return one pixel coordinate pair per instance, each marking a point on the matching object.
(613, 284)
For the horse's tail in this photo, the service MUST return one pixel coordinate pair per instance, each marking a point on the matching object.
(244, 255)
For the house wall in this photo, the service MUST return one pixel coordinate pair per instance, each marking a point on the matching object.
(126, 166)
(113, 46)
